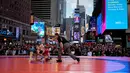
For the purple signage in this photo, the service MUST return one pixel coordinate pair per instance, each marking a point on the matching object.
(76, 36)
(76, 18)
(17, 32)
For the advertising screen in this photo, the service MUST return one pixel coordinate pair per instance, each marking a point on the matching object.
(39, 27)
(86, 27)
(82, 30)
(99, 24)
(52, 30)
(76, 18)
(108, 38)
(91, 36)
(76, 36)
(92, 23)
(32, 19)
(49, 31)
(17, 32)
(76, 27)
(116, 14)
(57, 30)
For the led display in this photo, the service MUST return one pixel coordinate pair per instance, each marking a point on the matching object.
(116, 14)
(91, 36)
(76, 36)
(92, 23)
(39, 27)
(76, 18)
(99, 24)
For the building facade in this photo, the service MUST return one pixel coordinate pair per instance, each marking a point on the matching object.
(69, 28)
(51, 11)
(15, 18)
(82, 14)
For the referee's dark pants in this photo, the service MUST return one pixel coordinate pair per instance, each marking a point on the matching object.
(68, 50)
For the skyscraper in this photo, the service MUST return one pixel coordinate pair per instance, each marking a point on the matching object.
(82, 14)
(42, 8)
(62, 15)
(48, 10)
(94, 3)
(77, 3)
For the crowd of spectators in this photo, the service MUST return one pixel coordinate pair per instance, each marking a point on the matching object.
(79, 50)
(101, 50)
(14, 50)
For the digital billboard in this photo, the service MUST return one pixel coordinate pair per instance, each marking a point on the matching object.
(92, 23)
(86, 27)
(99, 24)
(57, 30)
(17, 32)
(32, 20)
(76, 18)
(76, 36)
(91, 36)
(116, 14)
(52, 30)
(76, 27)
(108, 38)
(39, 27)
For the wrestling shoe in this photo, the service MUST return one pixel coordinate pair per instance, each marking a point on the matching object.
(78, 59)
(59, 61)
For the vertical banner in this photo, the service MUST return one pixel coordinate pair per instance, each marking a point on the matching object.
(17, 32)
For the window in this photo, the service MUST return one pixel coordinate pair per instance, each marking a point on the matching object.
(26, 32)
(23, 32)
(14, 29)
(0, 26)
(10, 28)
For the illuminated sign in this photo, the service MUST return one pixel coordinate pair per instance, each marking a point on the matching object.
(82, 30)
(76, 18)
(92, 23)
(91, 36)
(99, 24)
(108, 38)
(32, 20)
(3, 32)
(52, 30)
(57, 30)
(17, 32)
(39, 27)
(116, 14)
(76, 36)
(86, 27)
(76, 27)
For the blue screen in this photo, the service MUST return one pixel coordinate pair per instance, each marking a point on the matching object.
(116, 14)
(39, 27)
(99, 24)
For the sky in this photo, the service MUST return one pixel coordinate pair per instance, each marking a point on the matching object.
(71, 5)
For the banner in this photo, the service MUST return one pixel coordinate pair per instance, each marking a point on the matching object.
(116, 14)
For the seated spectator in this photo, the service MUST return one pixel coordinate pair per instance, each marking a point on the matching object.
(89, 52)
